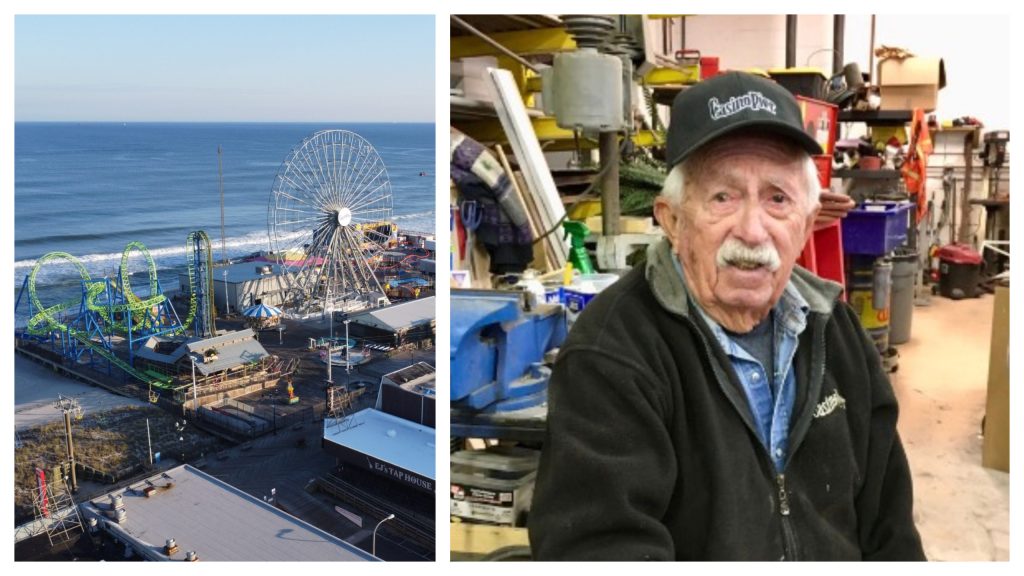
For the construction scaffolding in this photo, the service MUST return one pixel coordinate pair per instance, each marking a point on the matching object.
(55, 508)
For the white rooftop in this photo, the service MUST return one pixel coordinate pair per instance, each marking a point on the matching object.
(388, 438)
(398, 316)
(217, 521)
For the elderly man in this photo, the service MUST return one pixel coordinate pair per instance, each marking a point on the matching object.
(720, 403)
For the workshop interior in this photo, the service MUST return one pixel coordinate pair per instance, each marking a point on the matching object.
(558, 127)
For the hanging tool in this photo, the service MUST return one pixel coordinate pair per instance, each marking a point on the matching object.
(471, 216)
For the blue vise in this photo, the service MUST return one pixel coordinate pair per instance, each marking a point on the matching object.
(498, 349)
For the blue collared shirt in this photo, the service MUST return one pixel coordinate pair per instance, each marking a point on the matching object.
(771, 400)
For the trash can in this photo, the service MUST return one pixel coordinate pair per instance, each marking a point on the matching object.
(959, 268)
(901, 312)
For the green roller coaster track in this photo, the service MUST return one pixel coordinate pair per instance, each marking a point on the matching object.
(46, 321)
(193, 304)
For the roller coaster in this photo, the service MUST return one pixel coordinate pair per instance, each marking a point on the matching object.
(109, 308)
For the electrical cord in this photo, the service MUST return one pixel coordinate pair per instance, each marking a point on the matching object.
(583, 196)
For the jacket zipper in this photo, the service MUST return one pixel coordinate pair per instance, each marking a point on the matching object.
(788, 539)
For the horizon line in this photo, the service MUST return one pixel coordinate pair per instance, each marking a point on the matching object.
(228, 121)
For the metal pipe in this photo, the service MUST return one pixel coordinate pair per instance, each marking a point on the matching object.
(964, 235)
(871, 53)
(608, 143)
(838, 40)
(665, 40)
(494, 43)
(790, 40)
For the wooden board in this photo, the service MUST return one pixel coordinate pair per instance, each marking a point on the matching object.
(996, 448)
(537, 174)
(477, 540)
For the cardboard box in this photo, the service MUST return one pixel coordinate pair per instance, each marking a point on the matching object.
(996, 448)
(905, 84)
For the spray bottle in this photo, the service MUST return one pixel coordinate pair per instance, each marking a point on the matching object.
(578, 231)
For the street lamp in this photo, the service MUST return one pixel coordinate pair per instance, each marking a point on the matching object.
(374, 549)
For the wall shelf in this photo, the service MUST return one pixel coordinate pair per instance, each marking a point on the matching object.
(886, 174)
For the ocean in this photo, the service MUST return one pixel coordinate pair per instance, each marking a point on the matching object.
(89, 189)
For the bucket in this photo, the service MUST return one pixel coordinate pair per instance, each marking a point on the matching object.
(867, 278)
(904, 268)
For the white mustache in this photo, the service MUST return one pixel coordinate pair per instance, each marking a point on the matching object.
(733, 250)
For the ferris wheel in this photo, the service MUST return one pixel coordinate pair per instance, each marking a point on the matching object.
(330, 221)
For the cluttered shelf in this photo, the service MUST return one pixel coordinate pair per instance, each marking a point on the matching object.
(876, 117)
(883, 174)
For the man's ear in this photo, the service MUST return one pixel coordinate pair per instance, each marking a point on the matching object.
(667, 217)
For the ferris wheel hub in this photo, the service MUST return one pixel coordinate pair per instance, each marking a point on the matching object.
(344, 217)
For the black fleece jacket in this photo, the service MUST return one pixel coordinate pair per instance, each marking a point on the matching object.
(651, 452)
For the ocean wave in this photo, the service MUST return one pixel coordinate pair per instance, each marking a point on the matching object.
(95, 236)
(237, 246)
(173, 257)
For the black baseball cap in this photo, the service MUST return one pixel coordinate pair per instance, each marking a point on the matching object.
(732, 101)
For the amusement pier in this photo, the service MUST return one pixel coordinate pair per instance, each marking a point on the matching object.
(291, 389)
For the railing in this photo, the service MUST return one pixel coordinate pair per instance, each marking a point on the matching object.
(247, 421)
(406, 523)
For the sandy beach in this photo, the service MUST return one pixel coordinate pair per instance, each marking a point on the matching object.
(36, 388)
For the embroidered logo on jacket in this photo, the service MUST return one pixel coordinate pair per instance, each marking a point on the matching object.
(829, 404)
(751, 100)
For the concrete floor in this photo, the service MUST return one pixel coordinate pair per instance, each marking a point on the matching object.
(962, 509)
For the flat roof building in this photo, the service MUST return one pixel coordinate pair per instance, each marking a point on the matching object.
(398, 323)
(211, 518)
(385, 444)
(396, 438)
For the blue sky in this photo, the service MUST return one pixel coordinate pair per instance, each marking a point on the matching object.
(224, 68)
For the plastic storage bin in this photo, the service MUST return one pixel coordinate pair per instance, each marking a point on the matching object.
(493, 486)
(809, 82)
(876, 228)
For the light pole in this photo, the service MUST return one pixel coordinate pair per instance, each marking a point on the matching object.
(227, 304)
(330, 377)
(348, 363)
(69, 406)
(195, 394)
(374, 549)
